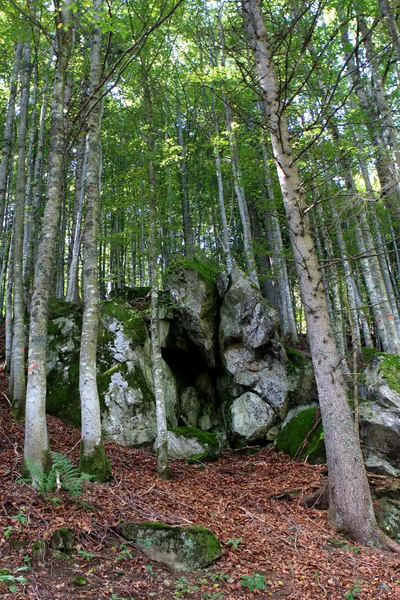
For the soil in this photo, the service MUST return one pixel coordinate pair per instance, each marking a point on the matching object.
(252, 503)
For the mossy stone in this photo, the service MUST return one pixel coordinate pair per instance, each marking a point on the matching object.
(178, 548)
(205, 438)
(304, 429)
(62, 540)
(387, 513)
(39, 550)
(79, 580)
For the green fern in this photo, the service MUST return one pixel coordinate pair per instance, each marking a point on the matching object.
(62, 474)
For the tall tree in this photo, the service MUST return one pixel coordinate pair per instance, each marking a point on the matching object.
(36, 450)
(93, 458)
(351, 509)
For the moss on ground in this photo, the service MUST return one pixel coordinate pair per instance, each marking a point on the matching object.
(303, 430)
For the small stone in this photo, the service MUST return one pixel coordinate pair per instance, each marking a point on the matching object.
(79, 581)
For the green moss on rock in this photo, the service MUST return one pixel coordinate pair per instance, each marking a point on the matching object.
(303, 436)
(205, 438)
(178, 548)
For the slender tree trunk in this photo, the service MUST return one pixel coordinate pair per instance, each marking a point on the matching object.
(389, 14)
(186, 216)
(37, 191)
(73, 289)
(221, 201)
(93, 459)
(288, 317)
(18, 354)
(238, 182)
(28, 190)
(36, 449)
(351, 507)
(8, 131)
(159, 392)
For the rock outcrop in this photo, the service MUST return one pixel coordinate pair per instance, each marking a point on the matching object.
(380, 414)
(261, 381)
(225, 369)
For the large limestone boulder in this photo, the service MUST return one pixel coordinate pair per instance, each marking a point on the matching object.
(125, 373)
(177, 548)
(268, 380)
(196, 304)
(380, 414)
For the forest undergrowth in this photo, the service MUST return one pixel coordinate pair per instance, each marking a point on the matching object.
(272, 546)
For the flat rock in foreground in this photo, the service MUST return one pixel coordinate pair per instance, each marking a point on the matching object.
(177, 548)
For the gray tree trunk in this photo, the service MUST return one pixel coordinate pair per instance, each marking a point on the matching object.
(157, 366)
(351, 507)
(186, 216)
(73, 288)
(8, 131)
(36, 450)
(18, 351)
(93, 459)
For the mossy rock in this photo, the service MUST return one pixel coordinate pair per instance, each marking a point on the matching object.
(62, 540)
(129, 293)
(193, 444)
(303, 437)
(388, 366)
(387, 513)
(177, 548)
(64, 329)
(79, 581)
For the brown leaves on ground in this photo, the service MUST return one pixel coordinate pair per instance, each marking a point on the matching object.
(248, 502)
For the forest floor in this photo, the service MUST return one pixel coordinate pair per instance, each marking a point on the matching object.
(268, 538)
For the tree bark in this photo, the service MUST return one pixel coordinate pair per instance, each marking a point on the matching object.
(8, 131)
(18, 351)
(351, 507)
(36, 450)
(93, 459)
(157, 362)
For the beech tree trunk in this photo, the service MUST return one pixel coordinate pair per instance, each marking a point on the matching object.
(18, 349)
(351, 509)
(36, 450)
(157, 366)
(8, 132)
(93, 459)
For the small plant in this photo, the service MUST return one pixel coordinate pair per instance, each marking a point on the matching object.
(213, 595)
(352, 594)
(150, 572)
(235, 543)
(8, 531)
(256, 581)
(183, 587)
(11, 581)
(85, 555)
(20, 517)
(62, 475)
(124, 552)
(219, 576)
